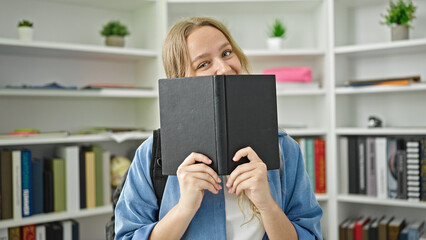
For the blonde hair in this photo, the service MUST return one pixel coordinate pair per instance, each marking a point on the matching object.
(176, 61)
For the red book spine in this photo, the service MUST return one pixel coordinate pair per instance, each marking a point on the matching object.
(29, 232)
(358, 231)
(320, 172)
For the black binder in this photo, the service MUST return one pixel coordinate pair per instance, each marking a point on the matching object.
(216, 116)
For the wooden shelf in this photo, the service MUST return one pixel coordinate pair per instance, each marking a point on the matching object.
(55, 49)
(352, 198)
(50, 217)
(103, 137)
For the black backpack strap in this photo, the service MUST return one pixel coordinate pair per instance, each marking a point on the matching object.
(158, 179)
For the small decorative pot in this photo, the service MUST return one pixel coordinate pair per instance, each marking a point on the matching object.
(25, 33)
(399, 32)
(115, 41)
(274, 43)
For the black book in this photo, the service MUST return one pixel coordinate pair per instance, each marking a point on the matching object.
(353, 165)
(216, 116)
(48, 199)
(54, 231)
(82, 177)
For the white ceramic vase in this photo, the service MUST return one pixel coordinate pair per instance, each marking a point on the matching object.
(274, 43)
(26, 33)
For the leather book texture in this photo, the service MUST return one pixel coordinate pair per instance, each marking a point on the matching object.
(216, 116)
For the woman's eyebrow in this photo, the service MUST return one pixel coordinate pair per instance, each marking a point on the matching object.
(225, 44)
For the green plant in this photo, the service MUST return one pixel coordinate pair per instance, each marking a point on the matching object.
(114, 28)
(25, 23)
(277, 29)
(400, 13)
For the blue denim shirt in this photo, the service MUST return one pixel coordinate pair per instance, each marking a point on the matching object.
(137, 206)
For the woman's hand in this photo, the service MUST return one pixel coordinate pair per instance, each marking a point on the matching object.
(252, 178)
(194, 179)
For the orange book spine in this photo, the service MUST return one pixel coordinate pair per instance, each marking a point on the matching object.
(320, 171)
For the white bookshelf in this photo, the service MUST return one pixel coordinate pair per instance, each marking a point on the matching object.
(56, 216)
(89, 93)
(352, 198)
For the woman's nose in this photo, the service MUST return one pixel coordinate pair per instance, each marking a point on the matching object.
(223, 68)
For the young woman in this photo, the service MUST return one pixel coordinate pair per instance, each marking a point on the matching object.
(251, 203)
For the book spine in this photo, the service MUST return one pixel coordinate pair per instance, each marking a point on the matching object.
(371, 167)
(41, 232)
(413, 163)
(27, 187)
(82, 178)
(381, 167)
(353, 163)
(90, 180)
(401, 163)
(72, 170)
(391, 169)
(29, 232)
(15, 233)
(58, 167)
(4, 235)
(6, 184)
(310, 161)
(106, 168)
(221, 125)
(47, 186)
(38, 187)
(344, 169)
(98, 175)
(361, 156)
(17, 180)
(423, 169)
(320, 171)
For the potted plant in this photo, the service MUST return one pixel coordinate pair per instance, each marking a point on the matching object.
(114, 32)
(276, 34)
(399, 16)
(25, 30)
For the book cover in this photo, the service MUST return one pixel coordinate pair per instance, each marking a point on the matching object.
(343, 228)
(38, 167)
(423, 169)
(217, 116)
(353, 164)
(401, 167)
(59, 188)
(310, 160)
(48, 197)
(99, 188)
(106, 168)
(383, 228)
(362, 165)
(415, 229)
(29, 232)
(371, 186)
(16, 188)
(373, 232)
(381, 167)
(320, 168)
(391, 168)
(82, 177)
(41, 232)
(343, 165)
(359, 225)
(71, 156)
(15, 233)
(6, 184)
(395, 227)
(90, 180)
(27, 183)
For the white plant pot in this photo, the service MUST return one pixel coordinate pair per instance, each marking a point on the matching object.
(114, 41)
(25, 33)
(399, 32)
(275, 43)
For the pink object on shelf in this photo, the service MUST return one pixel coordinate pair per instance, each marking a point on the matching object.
(290, 74)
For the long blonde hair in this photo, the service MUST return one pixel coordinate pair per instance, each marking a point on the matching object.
(175, 51)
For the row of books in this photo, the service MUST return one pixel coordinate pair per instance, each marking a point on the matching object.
(384, 167)
(313, 151)
(77, 178)
(63, 230)
(381, 228)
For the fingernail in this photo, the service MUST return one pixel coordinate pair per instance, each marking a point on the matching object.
(218, 180)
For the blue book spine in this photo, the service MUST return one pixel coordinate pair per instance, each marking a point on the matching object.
(27, 188)
(38, 187)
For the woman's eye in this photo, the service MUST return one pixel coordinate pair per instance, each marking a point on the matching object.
(203, 65)
(226, 53)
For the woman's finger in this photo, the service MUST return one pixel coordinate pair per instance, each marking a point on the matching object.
(193, 177)
(203, 169)
(238, 171)
(246, 152)
(195, 157)
(241, 178)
